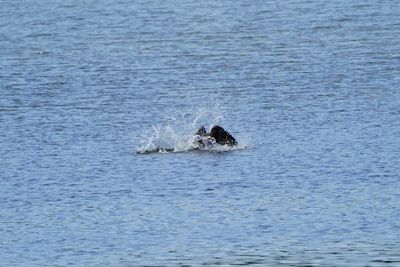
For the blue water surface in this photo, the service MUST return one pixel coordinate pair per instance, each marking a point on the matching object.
(311, 88)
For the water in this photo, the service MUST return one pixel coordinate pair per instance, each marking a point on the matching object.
(309, 88)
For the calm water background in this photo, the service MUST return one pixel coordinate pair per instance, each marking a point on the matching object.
(313, 86)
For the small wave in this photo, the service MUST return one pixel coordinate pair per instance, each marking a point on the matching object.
(216, 148)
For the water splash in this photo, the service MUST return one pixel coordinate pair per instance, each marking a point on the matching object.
(177, 133)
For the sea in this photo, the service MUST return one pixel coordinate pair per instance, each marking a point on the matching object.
(310, 90)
